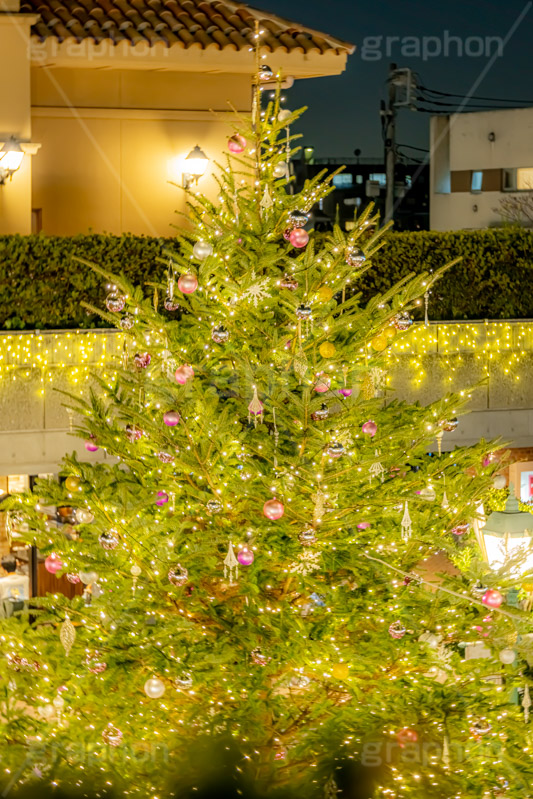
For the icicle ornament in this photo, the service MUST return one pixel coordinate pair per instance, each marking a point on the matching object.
(446, 762)
(67, 635)
(318, 511)
(266, 201)
(407, 525)
(377, 469)
(135, 572)
(231, 566)
(276, 438)
(439, 441)
(526, 703)
(300, 363)
(255, 409)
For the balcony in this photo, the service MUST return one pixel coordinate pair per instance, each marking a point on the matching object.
(422, 365)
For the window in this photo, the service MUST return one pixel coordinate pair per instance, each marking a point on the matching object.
(359, 179)
(477, 181)
(378, 177)
(343, 181)
(524, 179)
(520, 179)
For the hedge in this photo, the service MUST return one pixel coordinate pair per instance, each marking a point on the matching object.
(42, 286)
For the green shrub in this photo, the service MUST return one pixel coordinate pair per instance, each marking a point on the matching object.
(42, 286)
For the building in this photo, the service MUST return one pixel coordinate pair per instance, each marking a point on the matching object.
(363, 180)
(477, 160)
(106, 98)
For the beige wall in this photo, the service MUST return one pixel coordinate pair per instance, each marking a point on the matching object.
(112, 141)
(461, 142)
(15, 120)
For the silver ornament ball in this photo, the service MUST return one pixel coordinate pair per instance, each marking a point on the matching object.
(202, 250)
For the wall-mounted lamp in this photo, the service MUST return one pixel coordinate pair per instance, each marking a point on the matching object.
(11, 156)
(195, 166)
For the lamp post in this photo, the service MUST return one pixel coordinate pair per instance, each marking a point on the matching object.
(11, 156)
(509, 533)
(195, 166)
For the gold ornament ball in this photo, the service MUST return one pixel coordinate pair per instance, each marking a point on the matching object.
(327, 349)
(379, 343)
(324, 293)
(72, 483)
(528, 587)
(340, 671)
(389, 332)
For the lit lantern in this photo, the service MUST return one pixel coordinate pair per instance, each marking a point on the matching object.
(509, 533)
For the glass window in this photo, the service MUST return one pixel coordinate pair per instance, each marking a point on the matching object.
(477, 181)
(378, 177)
(343, 181)
(359, 179)
(524, 178)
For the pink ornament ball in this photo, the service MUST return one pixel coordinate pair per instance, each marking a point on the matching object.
(188, 284)
(183, 374)
(346, 392)
(142, 359)
(171, 418)
(73, 578)
(53, 563)
(90, 446)
(461, 529)
(322, 384)
(370, 428)
(299, 237)
(492, 598)
(237, 143)
(162, 498)
(245, 556)
(363, 525)
(273, 509)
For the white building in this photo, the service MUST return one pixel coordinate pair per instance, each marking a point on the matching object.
(477, 159)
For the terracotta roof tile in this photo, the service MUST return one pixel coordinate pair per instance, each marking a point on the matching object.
(217, 24)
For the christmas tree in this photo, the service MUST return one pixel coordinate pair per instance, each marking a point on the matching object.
(270, 557)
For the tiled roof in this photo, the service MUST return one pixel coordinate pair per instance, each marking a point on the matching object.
(217, 24)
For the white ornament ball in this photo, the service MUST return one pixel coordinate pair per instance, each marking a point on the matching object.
(499, 481)
(430, 639)
(135, 570)
(507, 656)
(88, 577)
(202, 250)
(284, 114)
(280, 170)
(154, 688)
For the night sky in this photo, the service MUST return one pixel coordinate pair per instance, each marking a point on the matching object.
(344, 110)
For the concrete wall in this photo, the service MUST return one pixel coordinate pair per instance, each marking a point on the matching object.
(34, 423)
(462, 141)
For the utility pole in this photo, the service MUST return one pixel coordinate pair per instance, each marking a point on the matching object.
(390, 144)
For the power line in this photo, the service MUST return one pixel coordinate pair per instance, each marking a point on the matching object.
(474, 97)
(412, 147)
